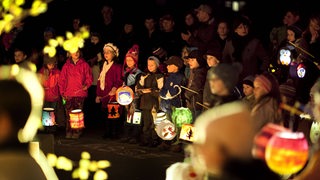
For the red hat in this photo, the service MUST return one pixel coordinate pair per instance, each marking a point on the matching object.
(134, 53)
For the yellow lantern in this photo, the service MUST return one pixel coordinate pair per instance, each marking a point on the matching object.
(287, 152)
(76, 119)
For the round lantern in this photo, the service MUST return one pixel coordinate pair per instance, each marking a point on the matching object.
(181, 115)
(48, 117)
(161, 116)
(301, 70)
(285, 55)
(287, 152)
(315, 132)
(124, 95)
(262, 138)
(166, 130)
(76, 119)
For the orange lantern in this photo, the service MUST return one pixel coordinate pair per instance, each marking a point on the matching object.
(48, 117)
(76, 119)
(262, 138)
(287, 152)
(113, 110)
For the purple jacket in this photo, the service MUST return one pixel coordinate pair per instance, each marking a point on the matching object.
(74, 77)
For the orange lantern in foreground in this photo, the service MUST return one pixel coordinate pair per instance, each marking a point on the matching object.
(287, 152)
(76, 119)
(262, 138)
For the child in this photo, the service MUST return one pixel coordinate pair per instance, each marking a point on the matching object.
(75, 79)
(131, 74)
(247, 85)
(148, 87)
(108, 83)
(170, 93)
(49, 77)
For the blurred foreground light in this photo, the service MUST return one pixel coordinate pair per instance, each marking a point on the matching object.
(100, 174)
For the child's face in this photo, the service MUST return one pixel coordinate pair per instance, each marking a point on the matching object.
(247, 90)
(50, 66)
(152, 66)
(290, 36)
(94, 39)
(212, 61)
(242, 30)
(258, 90)
(217, 86)
(108, 55)
(19, 56)
(223, 29)
(193, 63)
(172, 68)
(75, 55)
(130, 62)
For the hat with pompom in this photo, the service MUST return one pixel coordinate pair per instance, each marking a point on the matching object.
(133, 52)
(227, 72)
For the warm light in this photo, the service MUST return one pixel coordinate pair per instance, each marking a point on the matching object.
(124, 95)
(262, 138)
(187, 132)
(113, 110)
(315, 132)
(166, 130)
(76, 119)
(301, 70)
(287, 152)
(48, 117)
(134, 118)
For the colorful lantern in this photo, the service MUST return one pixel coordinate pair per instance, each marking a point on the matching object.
(181, 115)
(301, 70)
(315, 132)
(262, 138)
(76, 119)
(286, 55)
(124, 95)
(187, 132)
(166, 130)
(287, 152)
(113, 110)
(48, 117)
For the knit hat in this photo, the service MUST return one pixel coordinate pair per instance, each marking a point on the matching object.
(205, 8)
(155, 59)
(248, 80)
(197, 55)
(49, 60)
(288, 89)
(216, 52)
(111, 47)
(134, 53)
(297, 30)
(228, 73)
(264, 81)
(176, 60)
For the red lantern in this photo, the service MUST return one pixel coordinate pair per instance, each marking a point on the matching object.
(113, 110)
(287, 152)
(76, 119)
(262, 138)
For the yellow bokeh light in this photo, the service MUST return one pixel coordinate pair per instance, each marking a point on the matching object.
(100, 174)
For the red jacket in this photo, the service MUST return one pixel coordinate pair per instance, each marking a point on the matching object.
(74, 77)
(50, 85)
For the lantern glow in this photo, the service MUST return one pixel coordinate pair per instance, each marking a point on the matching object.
(76, 119)
(181, 115)
(187, 132)
(287, 152)
(301, 70)
(48, 117)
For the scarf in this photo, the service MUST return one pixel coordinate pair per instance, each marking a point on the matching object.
(103, 73)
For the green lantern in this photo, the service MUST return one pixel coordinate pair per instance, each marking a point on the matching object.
(181, 115)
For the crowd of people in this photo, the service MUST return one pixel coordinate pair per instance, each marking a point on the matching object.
(208, 64)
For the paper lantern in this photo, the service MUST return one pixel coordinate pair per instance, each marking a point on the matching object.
(187, 132)
(124, 95)
(113, 110)
(287, 152)
(76, 119)
(181, 115)
(285, 55)
(166, 130)
(301, 70)
(262, 138)
(134, 118)
(161, 116)
(48, 117)
(315, 132)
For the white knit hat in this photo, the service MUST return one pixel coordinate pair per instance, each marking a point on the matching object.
(111, 47)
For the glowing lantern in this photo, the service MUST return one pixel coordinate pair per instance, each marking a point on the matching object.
(113, 110)
(160, 116)
(166, 130)
(285, 55)
(187, 132)
(134, 118)
(181, 115)
(301, 70)
(76, 119)
(124, 95)
(262, 138)
(315, 132)
(287, 152)
(48, 117)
